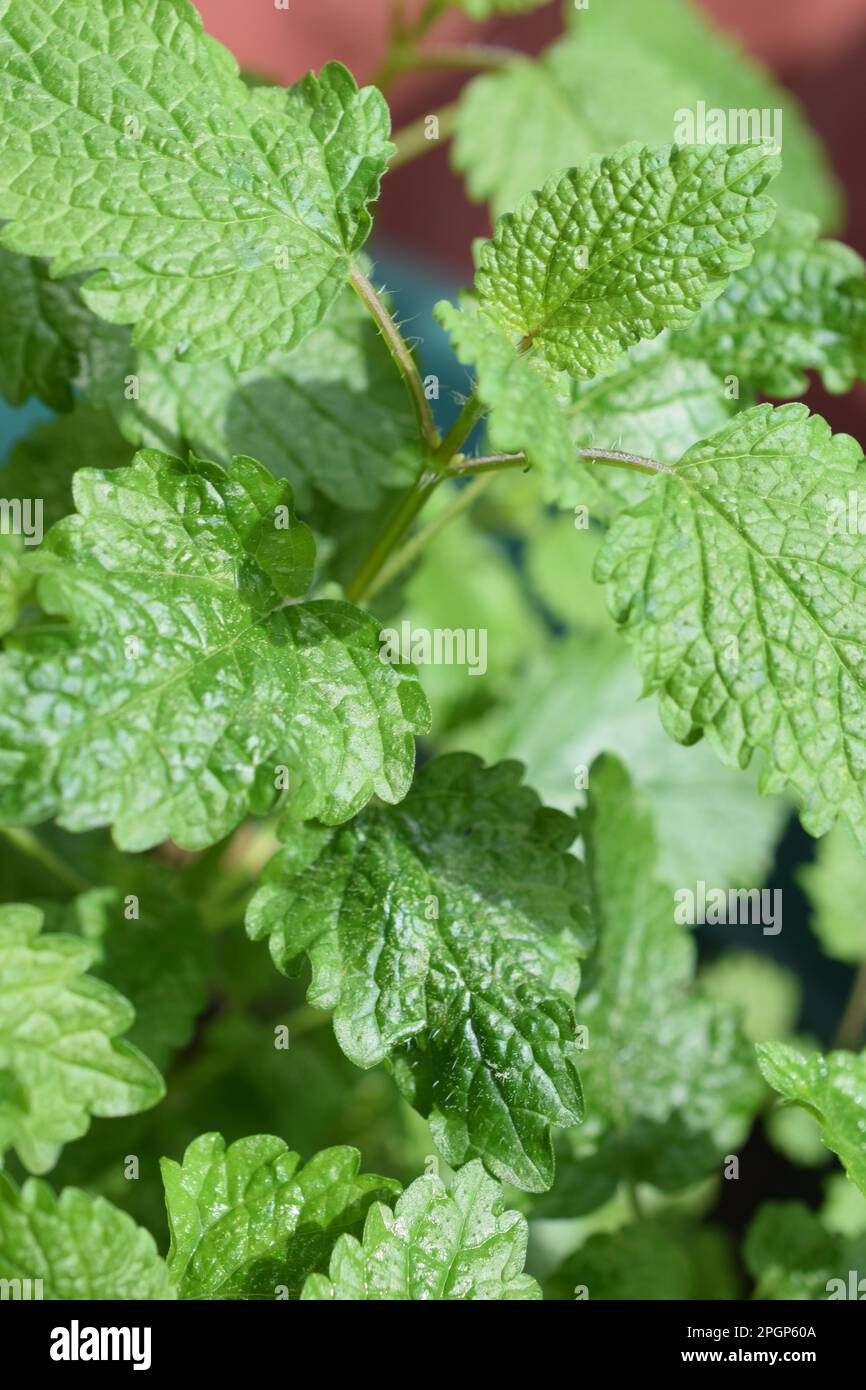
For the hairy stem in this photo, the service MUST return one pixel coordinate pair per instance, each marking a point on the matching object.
(484, 57)
(399, 349)
(413, 139)
(496, 463)
(849, 1034)
(28, 843)
(473, 410)
(402, 558)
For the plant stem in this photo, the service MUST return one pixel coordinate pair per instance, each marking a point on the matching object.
(413, 140)
(495, 463)
(472, 412)
(849, 1034)
(402, 39)
(27, 842)
(399, 349)
(399, 521)
(486, 57)
(617, 456)
(402, 558)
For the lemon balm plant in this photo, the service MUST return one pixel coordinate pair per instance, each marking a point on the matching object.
(200, 729)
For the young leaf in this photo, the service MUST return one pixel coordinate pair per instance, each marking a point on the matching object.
(221, 220)
(185, 682)
(60, 1058)
(740, 584)
(835, 884)
(833, 1088)
(579, 281)
(525, 413)
(446, 933)
(622, 247)
(246, 1220)
(333, 415)
(628, 69)
(800, 306)
(670, 1083)
(79, 1246)
(436, 1244)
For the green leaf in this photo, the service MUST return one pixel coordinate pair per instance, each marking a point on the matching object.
(46, 334)
(184, 681)
(79, 1246)
(60, 1058)
(221, 220)
(622, 247)
(739, 583)
(626, 69)
(446, 934)
(331, 415)
(636, 1262)
(800, 306)
(150, 945)
(436, 1244)
(791, 1255)
(670, 1084)
(835, 885)
(525, 413)
(246, 1221)
(833, 1088)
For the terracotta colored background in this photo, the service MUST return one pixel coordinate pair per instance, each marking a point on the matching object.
(817, 48)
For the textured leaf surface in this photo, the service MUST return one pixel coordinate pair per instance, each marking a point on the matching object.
(184, 681)
(835, 884)
(221, 219)
(833, 1088)
(792, 1255)
(247, 1219)
(60, 1058)
(446, 933)
(800, 305)
(43, 464)
(622, 247)
(517, 127)
(436, 1244)
(670, 1082)
(331, 415)
(80, 1246)
(740, 584)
